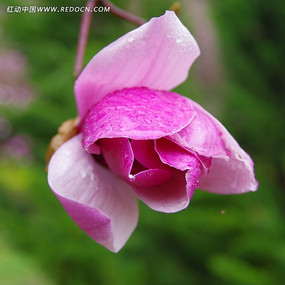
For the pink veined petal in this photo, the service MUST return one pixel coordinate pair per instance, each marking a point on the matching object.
(175, 156)
(145, 154)
(137, 113)
(179, 156)
(228, 176)
(202, 136)
(157, 55)
(171, 196)
(118, 155)
(98, 201)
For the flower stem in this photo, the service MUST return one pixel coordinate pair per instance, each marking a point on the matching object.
(85, 27)
(123, 14)
(83, 37)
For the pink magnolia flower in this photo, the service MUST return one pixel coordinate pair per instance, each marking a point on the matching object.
(138, 140)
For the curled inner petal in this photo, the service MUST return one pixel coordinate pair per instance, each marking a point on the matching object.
(146, 155)
(170, 196)
(175, 156)
(119, 157)
(150, 177)
(155, 170)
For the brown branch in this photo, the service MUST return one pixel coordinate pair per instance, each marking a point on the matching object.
(83, 37)
(123, 14)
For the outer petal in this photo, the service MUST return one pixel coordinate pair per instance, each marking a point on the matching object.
(157, 55)
(98, 201)
(202, 136)
(228, 176)
(137, 113)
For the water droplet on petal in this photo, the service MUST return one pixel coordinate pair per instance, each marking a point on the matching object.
(82, 173)
(91, 176)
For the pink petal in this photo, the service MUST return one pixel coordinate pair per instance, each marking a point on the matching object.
(192, 179)
(150, 177)
(137, 113)
(171, 196)
(175, 156)
(118, 155)
(228, 175)
(202, 136)
(146, 155)
(94, 148)
(98, 201)
(156, 55)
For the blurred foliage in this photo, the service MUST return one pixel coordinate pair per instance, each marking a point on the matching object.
(219, 240)
(16, 262)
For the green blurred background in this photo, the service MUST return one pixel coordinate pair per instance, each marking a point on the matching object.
(239, 77)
